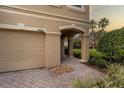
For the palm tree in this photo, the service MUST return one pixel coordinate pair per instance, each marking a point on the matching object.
(92, 33)
(103, 23)
(93, 24)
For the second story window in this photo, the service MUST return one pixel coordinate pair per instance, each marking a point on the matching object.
(80, 8)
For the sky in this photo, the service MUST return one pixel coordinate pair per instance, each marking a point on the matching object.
(115, 14)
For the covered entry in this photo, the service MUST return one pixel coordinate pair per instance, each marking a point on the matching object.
(69, 32)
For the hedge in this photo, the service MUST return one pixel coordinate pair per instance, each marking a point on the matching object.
(112, 44)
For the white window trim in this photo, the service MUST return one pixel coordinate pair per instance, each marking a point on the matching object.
(73, 8)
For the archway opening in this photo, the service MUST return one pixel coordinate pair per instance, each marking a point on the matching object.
(67, 42)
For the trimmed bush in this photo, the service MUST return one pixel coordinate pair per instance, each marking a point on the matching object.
(95, 53)
(77, 53)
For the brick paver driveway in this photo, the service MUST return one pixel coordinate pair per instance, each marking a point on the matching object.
(43, 78)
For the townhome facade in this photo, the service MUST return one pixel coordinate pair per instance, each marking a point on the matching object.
(32, 36)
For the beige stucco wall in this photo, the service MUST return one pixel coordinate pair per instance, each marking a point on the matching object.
(52, 50)
(49, 17)
(84, 48)
(41, 20)
(62, 10)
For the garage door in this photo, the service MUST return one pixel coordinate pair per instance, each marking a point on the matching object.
(21, 50)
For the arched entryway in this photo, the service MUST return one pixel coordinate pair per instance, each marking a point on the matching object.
(67, 35)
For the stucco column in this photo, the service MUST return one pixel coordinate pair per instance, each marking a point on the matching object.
(84, 47)
(52, 49)
(62, 48)
(70, 46)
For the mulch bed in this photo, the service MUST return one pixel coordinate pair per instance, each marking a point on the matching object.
(103, 70)
(61, 69)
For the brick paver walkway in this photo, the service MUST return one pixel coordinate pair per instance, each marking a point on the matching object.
(43, 78)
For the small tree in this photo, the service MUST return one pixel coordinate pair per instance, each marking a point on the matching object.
(93, 25)
(99, 35)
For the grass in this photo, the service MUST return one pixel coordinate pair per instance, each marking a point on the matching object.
(113, 79)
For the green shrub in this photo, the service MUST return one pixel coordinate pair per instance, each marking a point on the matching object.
(112, 44)
(77, 53)
(97, 58)
(121, 55)
(95, 53)
(92, 61)
(66, 50)
(101, 63)
(114, 79)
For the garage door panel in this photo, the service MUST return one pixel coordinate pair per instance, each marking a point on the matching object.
(20, 65)
(21, 50)
(20, 45)
(21, 42)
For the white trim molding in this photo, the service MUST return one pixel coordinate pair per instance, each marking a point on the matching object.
(72, 26)
(20, 26)
(52, 33)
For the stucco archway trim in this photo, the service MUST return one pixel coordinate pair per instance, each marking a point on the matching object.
(72, 26)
